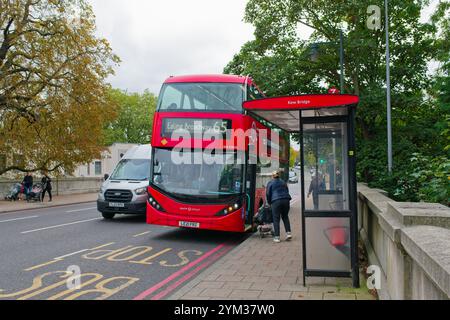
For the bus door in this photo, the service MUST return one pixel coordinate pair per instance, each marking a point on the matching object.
(250, 192)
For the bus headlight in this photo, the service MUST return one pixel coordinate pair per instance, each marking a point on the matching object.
(229, 209)
(155, 204)
(140, 191)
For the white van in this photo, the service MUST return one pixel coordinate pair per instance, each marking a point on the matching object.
(125, 191)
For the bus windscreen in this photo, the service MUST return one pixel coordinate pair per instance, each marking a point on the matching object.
(199, 178)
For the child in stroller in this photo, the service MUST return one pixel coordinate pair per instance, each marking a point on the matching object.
(264, 220)
(36, 192)
(14, 192)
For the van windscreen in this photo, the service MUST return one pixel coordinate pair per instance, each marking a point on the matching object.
(132, 169)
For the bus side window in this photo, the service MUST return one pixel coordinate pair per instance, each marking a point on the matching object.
(254, 93)
(250, 94)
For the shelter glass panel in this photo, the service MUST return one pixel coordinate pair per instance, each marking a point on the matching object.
(326, 167)
(328, 245)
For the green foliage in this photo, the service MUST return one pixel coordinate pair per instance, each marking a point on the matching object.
(281, 63)
(135, 117)
(422, 178)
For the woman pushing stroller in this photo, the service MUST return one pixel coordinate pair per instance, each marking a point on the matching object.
(277, 195)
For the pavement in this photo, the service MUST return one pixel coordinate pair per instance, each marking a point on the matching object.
(12, 206)
(259, 269)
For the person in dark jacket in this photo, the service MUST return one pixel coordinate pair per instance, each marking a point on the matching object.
(277, 195)
(314, 188)
(47, 185)
(28, 184)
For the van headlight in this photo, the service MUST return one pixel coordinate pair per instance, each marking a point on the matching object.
(101, 193)
(140, 191)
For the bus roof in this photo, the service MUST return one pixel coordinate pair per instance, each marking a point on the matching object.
(222, 78)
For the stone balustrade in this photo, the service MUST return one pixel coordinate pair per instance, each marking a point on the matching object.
(410, 242)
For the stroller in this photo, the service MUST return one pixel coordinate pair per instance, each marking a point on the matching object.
(36, 192)
(264, 220)
(14, 192)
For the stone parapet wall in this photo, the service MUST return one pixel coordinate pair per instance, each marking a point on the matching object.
(410, 242)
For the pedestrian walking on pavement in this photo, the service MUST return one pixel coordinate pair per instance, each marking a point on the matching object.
(47, 186)
(277, 195)
(27, 185)
(314, 188)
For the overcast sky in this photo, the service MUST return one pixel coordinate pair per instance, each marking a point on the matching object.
(159, 38)
(156, 39)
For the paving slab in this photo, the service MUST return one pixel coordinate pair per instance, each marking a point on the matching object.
(261, 269)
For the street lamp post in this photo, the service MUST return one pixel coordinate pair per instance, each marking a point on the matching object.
(341, 58)
(315, 48)
(388, 89)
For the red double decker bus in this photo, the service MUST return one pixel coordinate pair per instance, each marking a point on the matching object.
(200, 120)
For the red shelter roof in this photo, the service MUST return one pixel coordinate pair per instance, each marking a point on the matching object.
(285, 111)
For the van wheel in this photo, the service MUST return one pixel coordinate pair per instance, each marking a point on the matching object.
(108, 216)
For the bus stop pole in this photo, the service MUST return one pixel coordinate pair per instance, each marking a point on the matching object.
(354, 236)
(341, 58)
(303, 192)
(388, 89)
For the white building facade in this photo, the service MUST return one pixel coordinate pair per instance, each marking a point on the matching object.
(100, 167)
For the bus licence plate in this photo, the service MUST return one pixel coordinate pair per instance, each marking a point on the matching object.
(117, 205)
(185, 224)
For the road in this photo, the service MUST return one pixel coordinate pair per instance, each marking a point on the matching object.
(120, 259)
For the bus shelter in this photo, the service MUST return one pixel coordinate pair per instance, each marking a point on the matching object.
(326, 125)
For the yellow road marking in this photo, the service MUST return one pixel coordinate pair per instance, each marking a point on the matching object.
(71, 254)
(102, 246)
(84, 283)
(37, 283)
(43, 264)
(142, 234)
(146, 261)
(55, 260)
(141, 251)
(182, 256)
(101, 288)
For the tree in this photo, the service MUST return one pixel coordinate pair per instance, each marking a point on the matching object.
(53, 98)
(281, 63)
(135, 117)
(441, 18)
(293, 155)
